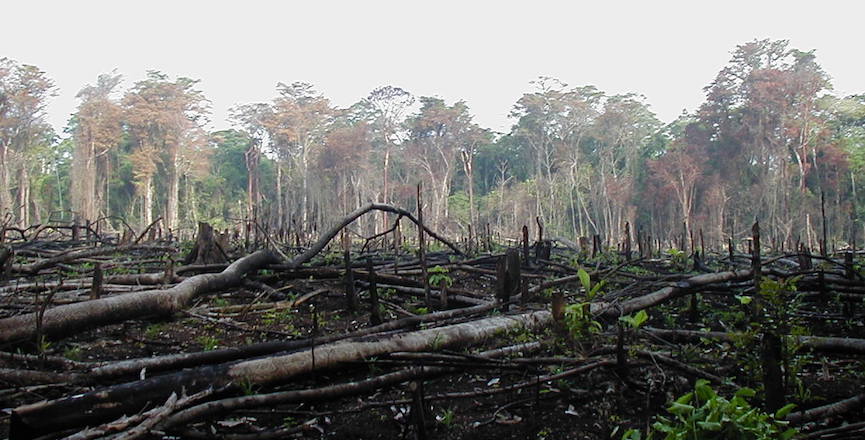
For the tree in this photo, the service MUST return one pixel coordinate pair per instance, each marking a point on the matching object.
(253, 119)
(24, 93)
(165, 119)
(388, 105)
(622, 134)
(764, 130)
(297, 127)
(436, 133)
(97, 132)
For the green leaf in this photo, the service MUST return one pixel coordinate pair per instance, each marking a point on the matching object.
(788, 434)
(782, 413)
(710, 426)
(745, 392)
(641, 318)
(685, 399)
(680, 409)
(585, 280)
(744, 299)
(704, 391)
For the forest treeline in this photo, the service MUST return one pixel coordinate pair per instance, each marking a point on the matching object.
(770, 139)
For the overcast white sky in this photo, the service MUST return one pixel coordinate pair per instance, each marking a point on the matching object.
(484, 52)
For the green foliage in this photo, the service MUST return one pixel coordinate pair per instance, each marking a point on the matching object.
(705, 415)
(208, 342)
(420, 310)
(579, 320)
(247, 387)
(438, 276)
(678, 258)
(635, 321)
(578, 317)
(446, 417)
(43, 345)
(153, 330)
(586, 281)
(274, 316)
(72, 353)
(458, 207)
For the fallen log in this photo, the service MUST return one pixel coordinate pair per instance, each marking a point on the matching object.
(30, 421)
(66, 257)
(816, 343)
(71, 318)
(325, 393)
(828, 410)
(680, 288)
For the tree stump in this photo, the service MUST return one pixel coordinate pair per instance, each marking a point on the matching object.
(209, 247)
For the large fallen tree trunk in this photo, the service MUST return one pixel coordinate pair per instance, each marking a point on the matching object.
(71, 318)
(680, 288)
(66, 257)
(816, 343)
(102, 405)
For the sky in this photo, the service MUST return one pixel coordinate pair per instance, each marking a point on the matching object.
(483, 52)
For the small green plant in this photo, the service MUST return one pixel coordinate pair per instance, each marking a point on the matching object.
(543, 433)
(72, 353)
(153, 330)
(578, 317)
(438, 276)
(420, 310)
(446, 417)
(247, 387)
(678, 258)
(704, 415)
(579, 320)
(44, 344)
(208, 342)
(220, 302)
(276, 316)
(591, 290)
(386, 294)
(635, 321)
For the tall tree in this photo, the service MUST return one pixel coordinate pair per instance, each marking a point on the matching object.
(765, 131)
(389, 105)
(297, 127)
(436, 134)
(253, 119)
(97, 132)
(24, 93)
(164, 117)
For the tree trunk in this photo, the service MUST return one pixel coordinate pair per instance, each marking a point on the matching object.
(5, 195)
(147, 202)
(68, 319)
(30, 421)
(22, 201)
(172, 193)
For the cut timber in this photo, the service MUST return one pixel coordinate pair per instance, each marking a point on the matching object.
(68, 319)
(101, 405)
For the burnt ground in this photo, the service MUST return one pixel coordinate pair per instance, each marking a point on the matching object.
(598, 404)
